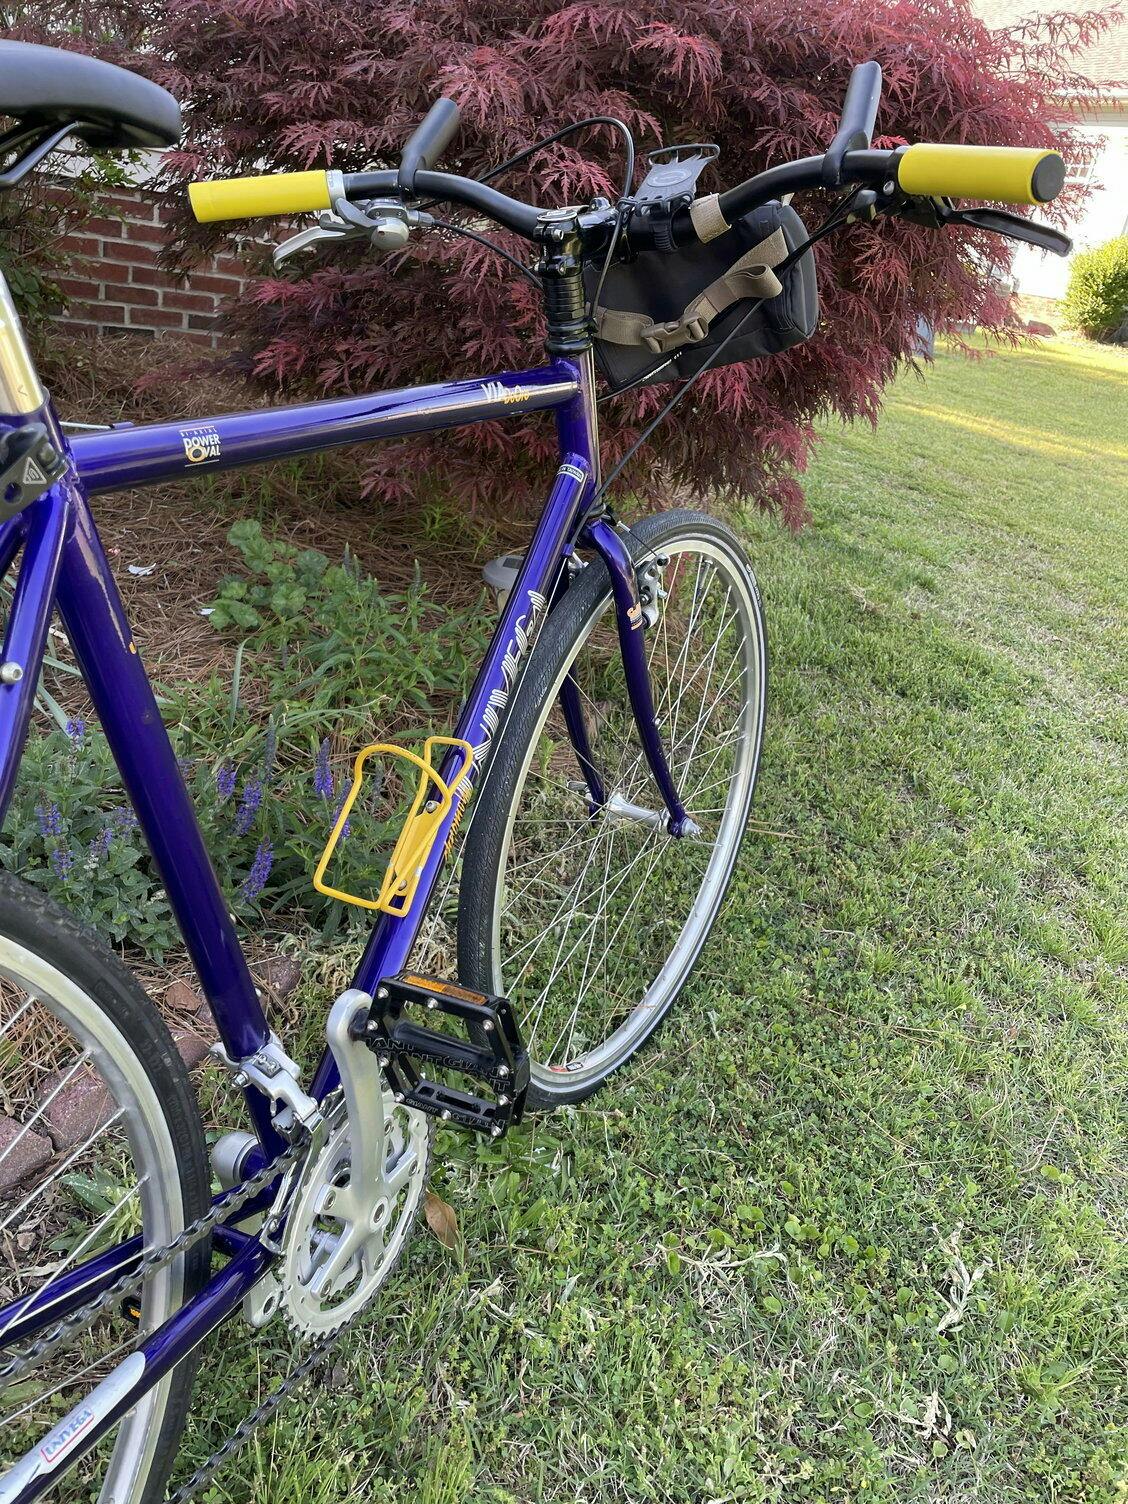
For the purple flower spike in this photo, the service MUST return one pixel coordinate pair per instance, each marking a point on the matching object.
(248, 806)
(255, 880)
(98, 848)
(76, 730)
(225, 781)
(270, 752)
(62, 859)
(49, 819)
(347, 826)
(322, 773)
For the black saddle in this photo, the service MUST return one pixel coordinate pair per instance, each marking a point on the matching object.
(48, 88)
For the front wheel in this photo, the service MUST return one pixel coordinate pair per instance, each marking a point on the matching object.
(588, 917)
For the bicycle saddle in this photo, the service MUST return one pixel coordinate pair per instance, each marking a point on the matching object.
(112, 108)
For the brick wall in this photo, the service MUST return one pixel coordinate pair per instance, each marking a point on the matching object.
(114, 285)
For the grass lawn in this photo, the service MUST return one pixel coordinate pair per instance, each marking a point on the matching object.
(853, 1228)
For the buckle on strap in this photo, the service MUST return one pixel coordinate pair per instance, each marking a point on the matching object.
(659, 339)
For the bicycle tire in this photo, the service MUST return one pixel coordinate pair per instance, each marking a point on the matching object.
(89, 997)
(583, 611)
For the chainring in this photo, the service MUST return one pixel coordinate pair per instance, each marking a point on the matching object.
(343, 1240)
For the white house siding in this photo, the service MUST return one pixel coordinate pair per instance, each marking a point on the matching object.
(1104, 216)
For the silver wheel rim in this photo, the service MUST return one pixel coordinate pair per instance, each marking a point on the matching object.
(564, 1076)
(138, 1113)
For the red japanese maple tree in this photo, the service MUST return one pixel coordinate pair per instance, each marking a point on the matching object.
(291, 84)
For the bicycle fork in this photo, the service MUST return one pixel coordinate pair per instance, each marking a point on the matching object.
(630, 621)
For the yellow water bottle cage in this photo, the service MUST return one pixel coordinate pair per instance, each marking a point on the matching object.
(420, 830)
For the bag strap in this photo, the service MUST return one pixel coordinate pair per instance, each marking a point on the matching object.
(750, 277)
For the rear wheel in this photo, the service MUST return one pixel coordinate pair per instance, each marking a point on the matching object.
(100, 1141)
(590, 920)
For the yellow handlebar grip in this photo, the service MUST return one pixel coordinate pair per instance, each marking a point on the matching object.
(1007, 174)
(254, 198)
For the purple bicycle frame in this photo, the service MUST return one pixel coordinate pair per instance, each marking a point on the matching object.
(63, 563)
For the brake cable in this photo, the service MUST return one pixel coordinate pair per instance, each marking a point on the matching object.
(457, 229)
(623, 203)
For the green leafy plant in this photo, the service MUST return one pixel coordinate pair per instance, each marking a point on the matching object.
(325, 661)
(1096, 301)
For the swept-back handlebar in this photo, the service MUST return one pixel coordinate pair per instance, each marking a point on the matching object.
(1011, 175)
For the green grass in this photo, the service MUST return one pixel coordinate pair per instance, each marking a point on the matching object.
(853, 1228)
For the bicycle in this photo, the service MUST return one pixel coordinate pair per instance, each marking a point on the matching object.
(611, 738)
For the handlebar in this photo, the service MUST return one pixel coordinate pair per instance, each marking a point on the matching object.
(1004, 174)
(1011, 175)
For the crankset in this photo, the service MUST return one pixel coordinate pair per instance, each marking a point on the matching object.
(486, 1051)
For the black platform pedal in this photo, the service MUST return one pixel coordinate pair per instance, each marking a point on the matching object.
(484, 1050)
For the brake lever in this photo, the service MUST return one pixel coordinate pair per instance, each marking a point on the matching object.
(326, 232)
(385, 224)
(1014, 227)
(938, 212)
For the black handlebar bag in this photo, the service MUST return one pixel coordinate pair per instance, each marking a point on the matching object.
(662, 315)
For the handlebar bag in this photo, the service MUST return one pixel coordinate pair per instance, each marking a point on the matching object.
(662, 314)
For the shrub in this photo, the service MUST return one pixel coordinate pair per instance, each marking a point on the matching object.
(331, 82)
(1096, 301)
(325, 661)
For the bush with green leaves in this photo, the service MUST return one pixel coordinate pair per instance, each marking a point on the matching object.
(1096, 301)
(325, 661)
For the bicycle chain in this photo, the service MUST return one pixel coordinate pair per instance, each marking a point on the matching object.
(133, 1281)
(259, 1415)
(152, 1260)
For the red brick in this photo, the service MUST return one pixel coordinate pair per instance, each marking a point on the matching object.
(135, 205)
(155, 318)
(231, 266)
(102, 225)
(208, 282)
(189, 300)
(201, 321)
(146, 234)
(22, 1152)
(79, 1109)
(98, 313)
(130, 253)
(191, 1044)
(79, 287)
(81, 245)
(145, 297)
(109, 271)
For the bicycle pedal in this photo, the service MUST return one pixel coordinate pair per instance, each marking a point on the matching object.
(489, 1052)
